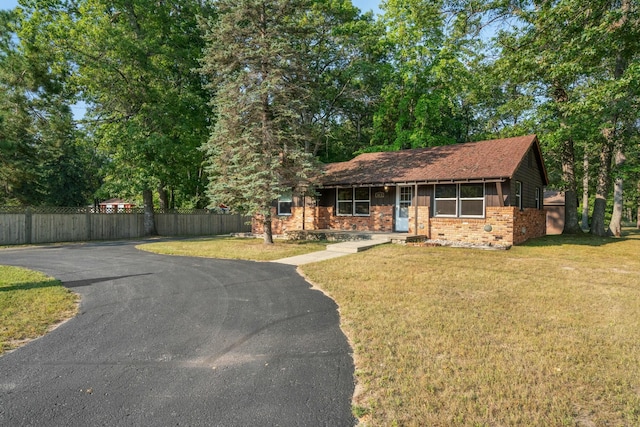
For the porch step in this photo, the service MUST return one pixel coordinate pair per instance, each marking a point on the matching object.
(356, 246)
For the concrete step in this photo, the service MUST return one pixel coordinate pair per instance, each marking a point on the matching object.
(356, 246)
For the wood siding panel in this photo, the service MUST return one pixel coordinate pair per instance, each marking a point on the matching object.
(530, 174)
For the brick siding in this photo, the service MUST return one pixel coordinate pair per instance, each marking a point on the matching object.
(502, 226)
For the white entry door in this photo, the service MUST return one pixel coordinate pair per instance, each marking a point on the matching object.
(404, 195)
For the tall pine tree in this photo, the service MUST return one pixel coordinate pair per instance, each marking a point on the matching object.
(256, 149)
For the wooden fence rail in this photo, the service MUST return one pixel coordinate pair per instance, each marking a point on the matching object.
(37, 225)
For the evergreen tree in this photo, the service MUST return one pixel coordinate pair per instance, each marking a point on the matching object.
(257, 145)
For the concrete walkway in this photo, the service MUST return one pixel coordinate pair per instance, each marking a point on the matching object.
(335, 250)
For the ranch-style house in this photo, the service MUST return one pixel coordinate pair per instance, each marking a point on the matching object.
(486, 193)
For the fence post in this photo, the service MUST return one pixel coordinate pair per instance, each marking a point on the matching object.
(28, 226)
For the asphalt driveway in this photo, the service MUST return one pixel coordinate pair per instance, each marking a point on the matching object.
(165, 340)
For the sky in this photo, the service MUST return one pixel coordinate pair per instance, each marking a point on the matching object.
(8, 4)
(363, 5)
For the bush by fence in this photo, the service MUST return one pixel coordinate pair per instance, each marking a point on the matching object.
(19, 225)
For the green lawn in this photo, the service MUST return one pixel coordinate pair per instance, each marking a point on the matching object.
(234, 248)
(30, 304)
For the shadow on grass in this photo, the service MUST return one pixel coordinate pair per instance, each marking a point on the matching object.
(31, 285)
(72, 284)
(583, 239)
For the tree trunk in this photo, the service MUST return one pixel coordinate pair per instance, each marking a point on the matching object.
(149, 217)
(571, 225)
(615, 226)
(610, 142)
(602, 187)
(585, 192)
(268, 232)
(163, 196)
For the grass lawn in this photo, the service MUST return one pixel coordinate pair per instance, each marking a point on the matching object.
(543, 334)
(30, 304)
(234, 248)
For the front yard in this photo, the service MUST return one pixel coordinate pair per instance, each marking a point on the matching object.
(543, 334)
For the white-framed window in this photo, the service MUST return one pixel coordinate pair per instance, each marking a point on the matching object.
(345, 201)
(538, 204)
(284, 204)
(460, 200)
(354, 201)
(519, 195)
(446, 200)
(361, 201)
(472, 200)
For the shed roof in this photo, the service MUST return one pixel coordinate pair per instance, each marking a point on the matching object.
(115, 201)
(493, 160)
(554, 198)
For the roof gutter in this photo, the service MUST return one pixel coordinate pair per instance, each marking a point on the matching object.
(422, 182)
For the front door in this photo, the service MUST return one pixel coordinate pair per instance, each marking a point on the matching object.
(403, 202)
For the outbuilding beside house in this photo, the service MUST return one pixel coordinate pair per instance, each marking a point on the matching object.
(555, 207)
(487, 193)
(115, 205)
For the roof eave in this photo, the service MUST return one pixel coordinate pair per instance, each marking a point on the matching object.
(394, 183)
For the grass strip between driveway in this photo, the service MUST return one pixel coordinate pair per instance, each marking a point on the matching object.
(234, 248)
(31, 303)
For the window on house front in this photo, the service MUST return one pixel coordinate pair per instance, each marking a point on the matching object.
(538, 204)
(472, 200)
(284, 204)
(446, 200)
(362, 201)
(354, 201)
(345, 201)
(518, 194)
(460, 200)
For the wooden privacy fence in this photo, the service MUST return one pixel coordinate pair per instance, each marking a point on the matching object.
(50, 225)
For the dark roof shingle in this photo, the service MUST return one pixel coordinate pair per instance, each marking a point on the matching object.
(483, 160)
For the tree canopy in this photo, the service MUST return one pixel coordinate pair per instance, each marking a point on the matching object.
(194, 103)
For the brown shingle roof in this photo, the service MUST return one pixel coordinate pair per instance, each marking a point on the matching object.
(484, 160)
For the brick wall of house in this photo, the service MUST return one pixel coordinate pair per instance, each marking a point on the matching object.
(379, 220)
(279, 223)
(529, 224)
(318, 218)
(321, 218)
(501, 226)
(423, 220)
